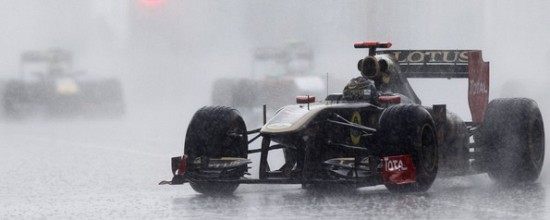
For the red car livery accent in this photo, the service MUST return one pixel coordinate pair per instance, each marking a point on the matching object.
(398, 169)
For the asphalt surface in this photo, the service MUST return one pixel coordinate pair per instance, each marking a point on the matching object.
(109, 169)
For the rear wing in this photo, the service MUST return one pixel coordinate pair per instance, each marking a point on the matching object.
(53, 59)
(292, 50)
(53, 55)
(294, 58)
(431, 63)
(449, 64)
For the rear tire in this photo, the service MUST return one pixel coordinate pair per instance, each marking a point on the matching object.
(512, 140)
(215, 132)
(409, 129)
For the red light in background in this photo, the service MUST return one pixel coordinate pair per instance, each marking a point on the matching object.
(152, 2)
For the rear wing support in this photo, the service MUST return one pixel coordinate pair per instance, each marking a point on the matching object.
(449, 64)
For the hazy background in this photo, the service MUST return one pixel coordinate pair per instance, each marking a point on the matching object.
(168, 49)
(168, 53)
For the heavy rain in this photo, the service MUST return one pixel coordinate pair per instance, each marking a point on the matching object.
(148, 65)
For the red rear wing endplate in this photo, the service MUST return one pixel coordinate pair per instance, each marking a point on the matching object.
(449, 64)
(478, 85)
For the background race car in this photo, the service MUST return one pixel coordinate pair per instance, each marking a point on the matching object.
(47, 85)
(278, 73)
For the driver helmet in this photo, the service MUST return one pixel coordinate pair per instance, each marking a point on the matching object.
(360, 89)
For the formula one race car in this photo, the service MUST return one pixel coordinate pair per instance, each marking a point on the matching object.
(49, 86)
(375, 132)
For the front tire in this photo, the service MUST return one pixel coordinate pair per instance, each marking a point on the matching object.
(409, 129)
(512, 137)
(215, 132)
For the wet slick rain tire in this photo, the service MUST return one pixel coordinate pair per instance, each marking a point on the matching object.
(215, 132)
(409, 129)
(512, 140)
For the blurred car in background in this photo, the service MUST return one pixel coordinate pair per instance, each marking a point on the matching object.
(48, 86)
(278, 74)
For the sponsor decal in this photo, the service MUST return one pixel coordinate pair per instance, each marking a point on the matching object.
(355, 134)
(398, 169)
(394, 165)
(477, 88)
(429, 56)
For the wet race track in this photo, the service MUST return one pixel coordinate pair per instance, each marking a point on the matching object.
(109, 169)
(169, 56)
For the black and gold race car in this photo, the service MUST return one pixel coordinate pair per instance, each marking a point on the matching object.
(48, 86)
(375, 132)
